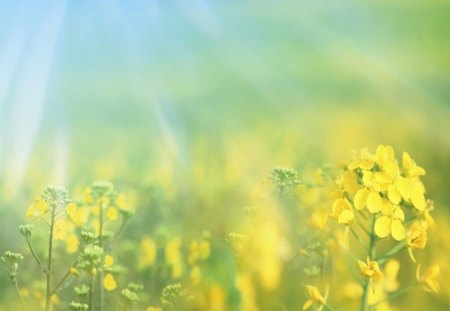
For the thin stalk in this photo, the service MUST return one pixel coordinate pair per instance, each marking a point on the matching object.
(61, 282)
(20, 296)
(122, 227)
(328, 307)
(363, 228)
(91, 292)
(358, 238)
(371, 254)
(49, 261)
(100, 275)
(395, 250)
(396, 294)
(44, 269)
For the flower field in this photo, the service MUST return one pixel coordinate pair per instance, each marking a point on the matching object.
(200, 155)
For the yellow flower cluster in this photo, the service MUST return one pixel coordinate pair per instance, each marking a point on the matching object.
(384, 187)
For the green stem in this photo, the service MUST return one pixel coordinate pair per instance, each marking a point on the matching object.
(371, 253)
(396, 249)
(328, 307)
(358, 238)
(20, 296)
(44, 269)
(49, 261)
(396, 294)
(100, 275)
(91, 292)
(61, 282)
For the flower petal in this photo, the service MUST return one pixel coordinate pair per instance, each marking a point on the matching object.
(393, 194)
(374, 202)
(383, 226)
(360, 198)
(346, 217)
(418, 200)
(397, 230)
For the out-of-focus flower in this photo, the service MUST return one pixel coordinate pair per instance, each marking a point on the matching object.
(111, 213)
(173, 257)
(410, 166)
(147, 253)
(390, 273)
(79, 215)
(61, 229)
(417, 238)
(318, 220)
(342, 211)
(109, 283)
(429, 280)
(314, 297)
(37, 209)
(72, 243)
(108, 262)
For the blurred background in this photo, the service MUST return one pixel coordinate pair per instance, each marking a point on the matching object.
(189, 104)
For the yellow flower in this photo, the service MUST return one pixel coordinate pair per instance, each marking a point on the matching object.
(148, 253)
(412, 190)
(314, 297)
(348, 182)
(319, 220)
(196, 274)
(88, 196)
(384, 155)
(74, 271)
(78, 215)
(173, 257)
(370, 269)
(364, 160)
(111, 213)
(37, 209)
(417, 238)
(429, 280)
(109, 261)
(343, 212)
(61, 229)
(391, 222)
(410, 166)
(55, 299)
(204, 249)
(72, 243)
(390, 282)
(109, 283)
(120, 201)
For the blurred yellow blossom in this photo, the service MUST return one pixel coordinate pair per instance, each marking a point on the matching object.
(343, 212)
(314, 297)
(147, 255)
(109, 282)
(370, 269)
(429, 280)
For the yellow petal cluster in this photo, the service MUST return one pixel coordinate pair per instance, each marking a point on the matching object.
(370, 269)
(314, 297)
